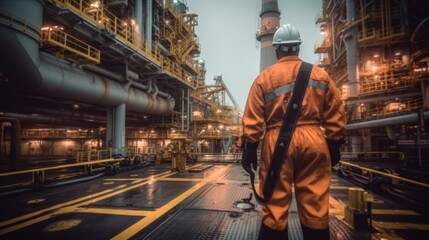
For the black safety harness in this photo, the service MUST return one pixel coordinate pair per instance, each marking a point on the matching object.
(285, 135)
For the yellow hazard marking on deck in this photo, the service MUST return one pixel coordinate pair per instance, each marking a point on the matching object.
(33, 214)
(341, 187)
(111, 211)
(69, 207)
(37, 200)
(62, 225)
(123, 179)
(338, 207)
(394, 212)
(108, 183)
(138, 226)
(403, 226)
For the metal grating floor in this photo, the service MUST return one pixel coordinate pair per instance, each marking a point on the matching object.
(186, 205)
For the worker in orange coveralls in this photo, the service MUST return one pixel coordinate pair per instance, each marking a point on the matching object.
(316, 141)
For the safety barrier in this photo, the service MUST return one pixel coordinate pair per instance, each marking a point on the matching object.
(84, 158)
(374, 155)
(54, 35)
(218, 157)
(372, 172)
(97, 14)
(390, 109)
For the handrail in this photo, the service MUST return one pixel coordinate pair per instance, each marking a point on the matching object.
(98, 15)
(59, 38)
(38, 170)
(401, 155)
(372, 171)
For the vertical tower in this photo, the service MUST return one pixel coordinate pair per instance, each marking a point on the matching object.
(270, 21)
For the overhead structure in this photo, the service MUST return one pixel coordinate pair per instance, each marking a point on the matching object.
(112, 72)
(377, 53)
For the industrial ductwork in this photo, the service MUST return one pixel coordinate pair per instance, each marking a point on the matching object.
(45, 74)
(397, 120)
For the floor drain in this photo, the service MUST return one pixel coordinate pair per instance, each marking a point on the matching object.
(245, 204)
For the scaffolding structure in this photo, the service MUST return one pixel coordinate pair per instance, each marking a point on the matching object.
(150, 46)
(369, 51)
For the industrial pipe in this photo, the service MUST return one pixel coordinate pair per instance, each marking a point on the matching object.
(21, 62)
(403, 119)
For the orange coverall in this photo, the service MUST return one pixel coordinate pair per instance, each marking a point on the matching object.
(307, 164)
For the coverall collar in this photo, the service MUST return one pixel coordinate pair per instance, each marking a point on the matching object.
(289, 58)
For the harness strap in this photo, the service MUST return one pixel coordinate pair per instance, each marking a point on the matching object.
(285, 135)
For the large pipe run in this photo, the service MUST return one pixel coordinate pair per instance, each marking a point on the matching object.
(21, 62)
(403, 119)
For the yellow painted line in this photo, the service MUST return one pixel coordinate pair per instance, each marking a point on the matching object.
(62, 208)
(343, 187)
(138, 226)
(112, 211)
(403, 226)
(199, 180)
(123, 179)
(182, 179)
(22, 225)
(33, 214)
(338, 209)
(386, 229)
(385, 233)
(394, 212)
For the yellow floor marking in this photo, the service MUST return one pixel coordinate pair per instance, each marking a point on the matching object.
(123, 179)
(138, 226)
(33, 214)
(342, 187)
(403, 226)
(386, 228)
(394, 212)
(385, 233)
(28, 223)
(338, 209)
(62, 208)
(37, 200)
(182, 179)
(112, 211)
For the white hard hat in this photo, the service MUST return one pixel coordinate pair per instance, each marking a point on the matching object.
(286, 35)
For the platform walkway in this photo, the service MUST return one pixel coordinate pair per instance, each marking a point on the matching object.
(155, 203)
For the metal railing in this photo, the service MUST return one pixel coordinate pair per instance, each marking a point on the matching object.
(378, 155)
(372, 172)
(218, 157)
(399, 107)
(123, 31)
(90, 160)
(65, 41)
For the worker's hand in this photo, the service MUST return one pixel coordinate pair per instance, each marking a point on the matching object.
(249, 158)
(334, 150)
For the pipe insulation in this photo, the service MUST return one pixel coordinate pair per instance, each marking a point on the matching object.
(397, 120)
(43, 73)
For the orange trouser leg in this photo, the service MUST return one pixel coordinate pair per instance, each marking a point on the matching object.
(307, 165)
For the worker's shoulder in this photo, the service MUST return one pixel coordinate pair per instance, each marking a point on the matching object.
(319, 74)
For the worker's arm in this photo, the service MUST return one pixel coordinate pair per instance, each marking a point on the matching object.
(253, 120)
(334, 121)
